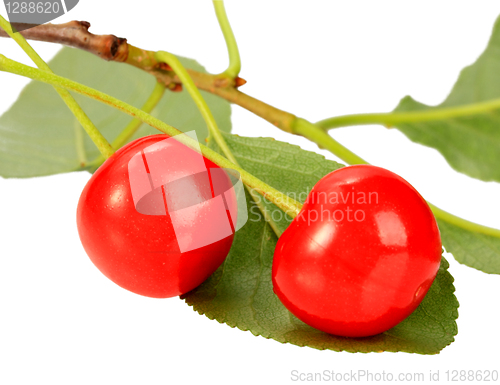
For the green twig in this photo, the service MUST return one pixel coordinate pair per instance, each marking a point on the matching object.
(80, 144)
(234, 67)
(134, 124)
(189, 85)
(284, 202)
(213, 129)
(99, 140)
(323, 140)
(393, 118)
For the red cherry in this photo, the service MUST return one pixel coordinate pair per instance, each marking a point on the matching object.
(134, 242)
(360, 256)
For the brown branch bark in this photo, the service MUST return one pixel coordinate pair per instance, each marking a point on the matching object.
(109, 47)
(76, 34)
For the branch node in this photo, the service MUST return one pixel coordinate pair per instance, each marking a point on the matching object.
(164, 66)
(222, 82)
(238, 82)
(176, 87)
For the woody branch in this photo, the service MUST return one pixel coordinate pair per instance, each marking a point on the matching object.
(109, 47)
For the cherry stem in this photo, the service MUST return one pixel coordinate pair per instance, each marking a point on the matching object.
(288, 205)
(234, 67)
(205, 111)
(213, 129)
(135, 124)
(99, 140)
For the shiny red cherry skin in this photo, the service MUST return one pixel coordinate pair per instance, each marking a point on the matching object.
(360, 256)
(140, 252)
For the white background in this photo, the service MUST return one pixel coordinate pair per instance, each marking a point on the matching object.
(62, 322)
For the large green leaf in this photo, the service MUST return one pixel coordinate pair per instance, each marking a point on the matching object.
(40, 136)
(240, 292)
(470, 144)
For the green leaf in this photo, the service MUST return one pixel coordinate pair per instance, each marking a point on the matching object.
(240, 292)
(470, 144)
(480, 251)
(40, 136)
(283, 166)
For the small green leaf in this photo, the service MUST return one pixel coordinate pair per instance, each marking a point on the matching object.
(240, 292)
(470, 144)
(40, 136)
(473, 249)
